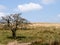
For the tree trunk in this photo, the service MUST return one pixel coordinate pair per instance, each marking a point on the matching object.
(14, 33)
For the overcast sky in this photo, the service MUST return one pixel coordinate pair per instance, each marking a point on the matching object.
(33, 10)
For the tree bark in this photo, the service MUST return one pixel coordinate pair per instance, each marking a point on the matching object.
(14, 33)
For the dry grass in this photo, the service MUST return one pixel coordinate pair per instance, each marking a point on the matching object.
(38, 34)
(46, 24)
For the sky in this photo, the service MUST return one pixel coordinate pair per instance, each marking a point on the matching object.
(32, 10)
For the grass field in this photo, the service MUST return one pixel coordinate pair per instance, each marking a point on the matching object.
(39, 35)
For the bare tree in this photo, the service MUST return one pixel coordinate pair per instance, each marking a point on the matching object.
(13, 21)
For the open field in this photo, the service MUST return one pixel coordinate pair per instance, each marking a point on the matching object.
(40, 34)
(45, 24)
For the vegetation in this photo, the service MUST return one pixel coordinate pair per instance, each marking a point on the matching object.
(37, 36)
(13, 21)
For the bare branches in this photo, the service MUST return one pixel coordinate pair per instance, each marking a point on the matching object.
(13, 21)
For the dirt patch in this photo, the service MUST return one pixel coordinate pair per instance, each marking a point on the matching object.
(16, 43)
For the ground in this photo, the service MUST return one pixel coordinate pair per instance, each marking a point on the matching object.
(39, 34)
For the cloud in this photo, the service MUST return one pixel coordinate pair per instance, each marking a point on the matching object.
(2, 7)
(48, 1)
(29, 6)
(2, 14)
